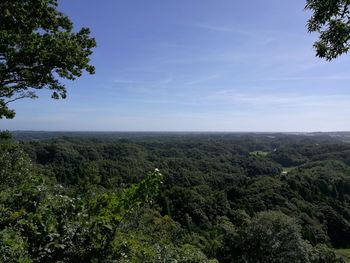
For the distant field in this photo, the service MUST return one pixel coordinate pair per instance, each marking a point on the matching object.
(259, 153)
(345, 254)
(288, 169)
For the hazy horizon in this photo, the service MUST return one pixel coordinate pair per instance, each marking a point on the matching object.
(175, 131)
(224, 66)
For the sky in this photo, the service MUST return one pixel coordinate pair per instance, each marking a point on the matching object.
(196, 65)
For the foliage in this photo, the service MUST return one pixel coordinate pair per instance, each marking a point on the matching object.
(272, 237)
(37, 47)
(13, 248)
(331, 20)
(15, 164)
(89, 200)
(344, 253)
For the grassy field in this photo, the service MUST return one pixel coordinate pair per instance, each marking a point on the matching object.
(288, 169)
(259, 153)
(344, 253)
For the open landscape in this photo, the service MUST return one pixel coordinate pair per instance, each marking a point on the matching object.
(231, 197)
(187, 131)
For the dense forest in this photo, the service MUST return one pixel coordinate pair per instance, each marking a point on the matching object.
(143, 197)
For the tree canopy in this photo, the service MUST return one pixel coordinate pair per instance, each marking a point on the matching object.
(331, 20)
(85, 197)
(38, 48)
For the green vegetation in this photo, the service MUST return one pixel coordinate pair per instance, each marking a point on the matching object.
(38, 48)
(259, 153)
(88, 198)
(344, 253)
(330, 19)
(219, 198)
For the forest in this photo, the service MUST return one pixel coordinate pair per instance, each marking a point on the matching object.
(174, 197)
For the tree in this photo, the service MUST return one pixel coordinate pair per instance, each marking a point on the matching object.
(331, 19)
(38, 48)
(273, 237)
(15, 166)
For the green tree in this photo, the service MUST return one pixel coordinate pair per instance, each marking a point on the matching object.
(331, 19)
(273, 237)
(15, 166)
(38, 47)
(13, 248)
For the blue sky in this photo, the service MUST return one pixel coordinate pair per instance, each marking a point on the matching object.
(196, 65)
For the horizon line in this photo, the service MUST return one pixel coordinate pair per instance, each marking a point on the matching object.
(173, 131)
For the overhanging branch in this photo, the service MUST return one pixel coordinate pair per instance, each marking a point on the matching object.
(30, 95)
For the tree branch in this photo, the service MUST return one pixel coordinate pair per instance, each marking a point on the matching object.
(6, 95)
(30, 95)
(344, 10)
